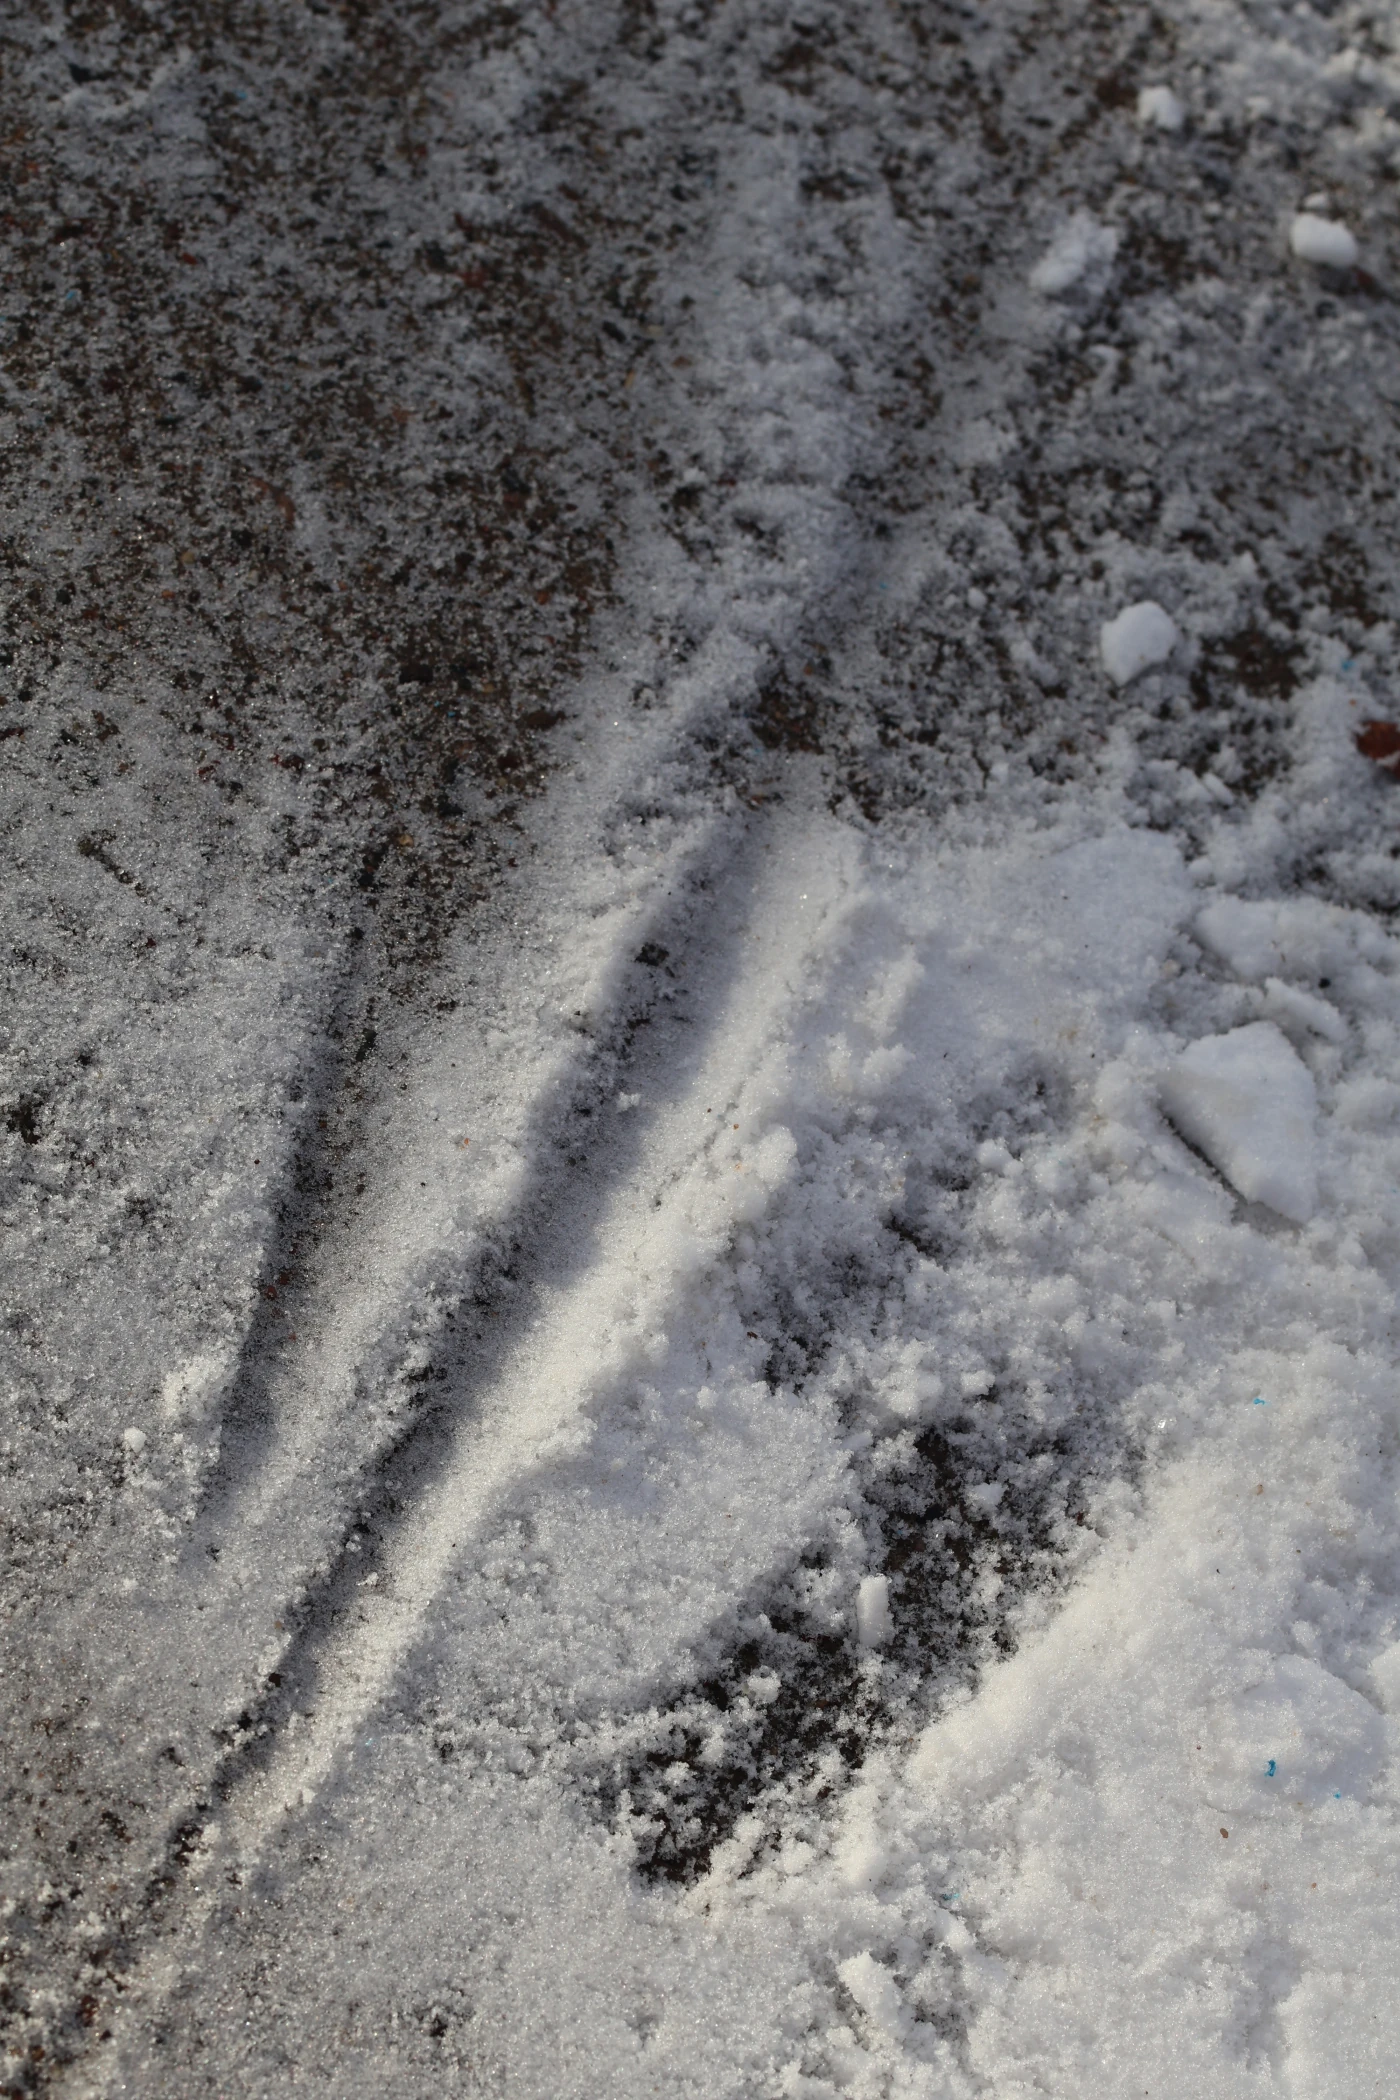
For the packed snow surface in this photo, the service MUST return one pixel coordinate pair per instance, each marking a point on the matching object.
(1136, 640)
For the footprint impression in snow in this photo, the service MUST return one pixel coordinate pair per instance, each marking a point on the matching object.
(1247, 1101)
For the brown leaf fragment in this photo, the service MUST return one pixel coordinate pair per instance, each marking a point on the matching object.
(1380, 741)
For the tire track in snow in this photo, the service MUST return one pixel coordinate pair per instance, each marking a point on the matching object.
(665, 1212)
(362, 1657)
(264, 1497)
(370, 1318)
(784, 389)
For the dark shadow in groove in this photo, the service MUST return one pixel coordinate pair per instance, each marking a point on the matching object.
(243, 1421)
(490, 1300)
(545, 1243)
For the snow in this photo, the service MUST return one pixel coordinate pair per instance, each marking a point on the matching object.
(735, 1432)
(1136, 640)
(1083, 248)
(875, 1991)
(1248, 1101)
(1385, 1675)
(873, 1623)
(1324, 241)
(1159, 107)
(1295, 1009)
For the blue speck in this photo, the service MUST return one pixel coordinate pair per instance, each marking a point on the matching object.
(1273, 1767)
(1336, 1797)
(949, 1896)
(1258, 1400)
(1349, 662)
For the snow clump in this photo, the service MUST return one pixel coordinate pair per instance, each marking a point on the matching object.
(1081, 247)
(1325, 241)
(1158, 106)
(1140, 637)
(875, 1991)
(1248, 1102)
(874, 1624)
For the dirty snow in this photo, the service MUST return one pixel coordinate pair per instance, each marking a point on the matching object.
(702, 1387)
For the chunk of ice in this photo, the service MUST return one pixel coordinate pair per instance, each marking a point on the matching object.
(1288, 1006)
(1243, 934)
(873, 1622)
(1142, 635)
(1326, 241)
(1247, 1100)
(1159, 106)
(1385, 1674)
